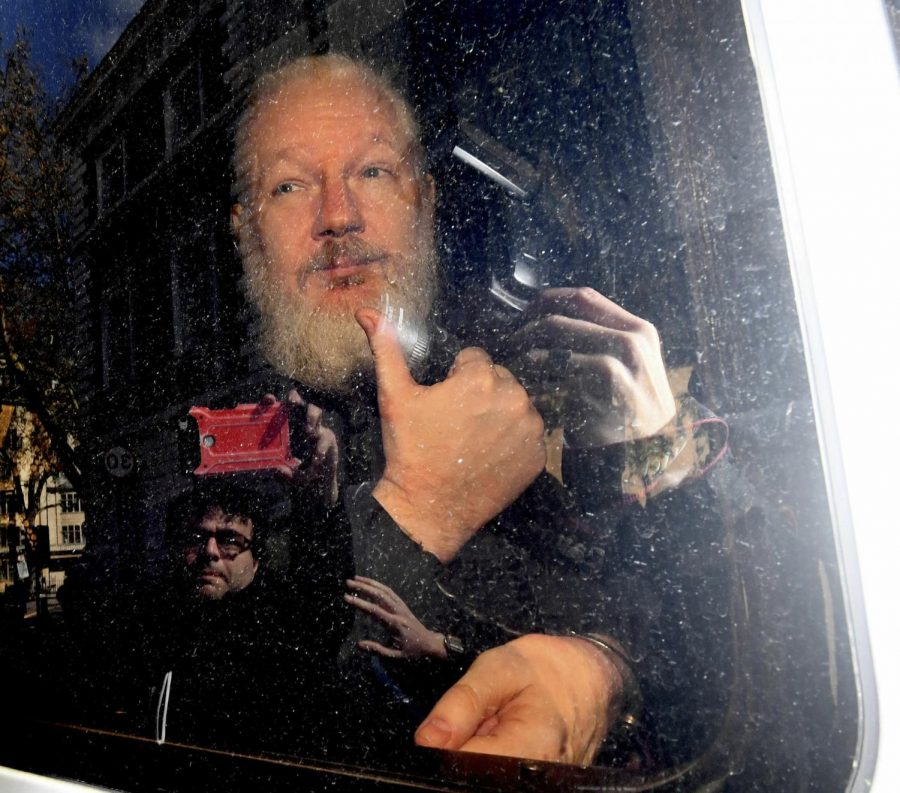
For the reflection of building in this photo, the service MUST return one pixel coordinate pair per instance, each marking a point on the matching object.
(161, 309)
(55, 509)
(64, 517)
(62, 513)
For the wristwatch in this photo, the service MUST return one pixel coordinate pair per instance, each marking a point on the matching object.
(454, 646)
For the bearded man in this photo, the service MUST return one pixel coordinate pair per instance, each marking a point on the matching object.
(448, 500)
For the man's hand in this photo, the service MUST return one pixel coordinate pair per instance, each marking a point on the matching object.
(604, 363)
(411, 639)
(456, 453)
(539, 697)
(316, 471)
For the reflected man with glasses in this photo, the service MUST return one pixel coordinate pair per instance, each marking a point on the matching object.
(214, 649)
(218, 553)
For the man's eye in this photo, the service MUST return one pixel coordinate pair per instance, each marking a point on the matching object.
(285, 187)
(374, 172)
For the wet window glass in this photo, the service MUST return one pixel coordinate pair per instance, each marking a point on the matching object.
(382, 379)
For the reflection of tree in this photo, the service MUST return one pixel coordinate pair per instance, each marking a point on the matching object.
(27, 461)
(37, 308)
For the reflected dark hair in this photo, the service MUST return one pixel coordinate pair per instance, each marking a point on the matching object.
(232, 497)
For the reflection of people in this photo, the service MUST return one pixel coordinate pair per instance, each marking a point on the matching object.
(334, 218)
(213, 642)
(217, 550)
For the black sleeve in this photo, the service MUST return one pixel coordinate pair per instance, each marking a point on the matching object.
(383, 551)
(666, 590)
(654, 578)
(437, 594)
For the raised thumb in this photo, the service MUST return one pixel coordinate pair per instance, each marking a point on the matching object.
(391, 372)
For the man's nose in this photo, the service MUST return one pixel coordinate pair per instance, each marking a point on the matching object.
(338, 211)
(211, 549)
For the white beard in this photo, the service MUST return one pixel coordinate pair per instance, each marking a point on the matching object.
(321, 347)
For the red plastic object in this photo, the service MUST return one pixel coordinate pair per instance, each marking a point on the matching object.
(243, 438)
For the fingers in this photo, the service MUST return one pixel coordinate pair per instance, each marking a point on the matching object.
(266, 402)
(293, 397)
(391, 372)
(474, 358)
(289, 471)
(460, 713)
(561, 332)
(374, 647)
(469, 356)
(313, 418)
(372, 581)
(375, 591)
(538, 366)
(583, 303)
(378, 600)
(536, 697)
(517, 735)
(370, 608)
(360, 581)
(503, 373)
(311, 424)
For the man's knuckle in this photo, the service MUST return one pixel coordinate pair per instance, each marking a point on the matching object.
(518, 398)
(586, 295)
(469, 695)
(632, 348)
(647, 330)
(557, 327)
(611, 367)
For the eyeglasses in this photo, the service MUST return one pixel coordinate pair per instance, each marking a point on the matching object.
(229, 542)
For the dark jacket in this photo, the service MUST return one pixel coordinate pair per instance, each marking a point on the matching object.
(240, 673)
(575, 559)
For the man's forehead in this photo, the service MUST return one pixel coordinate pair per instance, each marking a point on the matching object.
(216, 518)
(310, 102)
(300, 151)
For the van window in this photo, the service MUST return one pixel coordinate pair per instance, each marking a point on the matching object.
(233, 549)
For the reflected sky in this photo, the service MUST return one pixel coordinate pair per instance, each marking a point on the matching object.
(63, 30)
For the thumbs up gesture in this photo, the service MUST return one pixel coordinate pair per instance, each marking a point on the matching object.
(456, 453)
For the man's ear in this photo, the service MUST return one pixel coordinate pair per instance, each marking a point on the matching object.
(427, 194)
(237, 220)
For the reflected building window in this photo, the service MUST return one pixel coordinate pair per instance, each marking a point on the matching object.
(70, 502)
(183, 106)
(7, 503)
(110, 177)
(72, 535)
(145, 138)
(116, 335)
